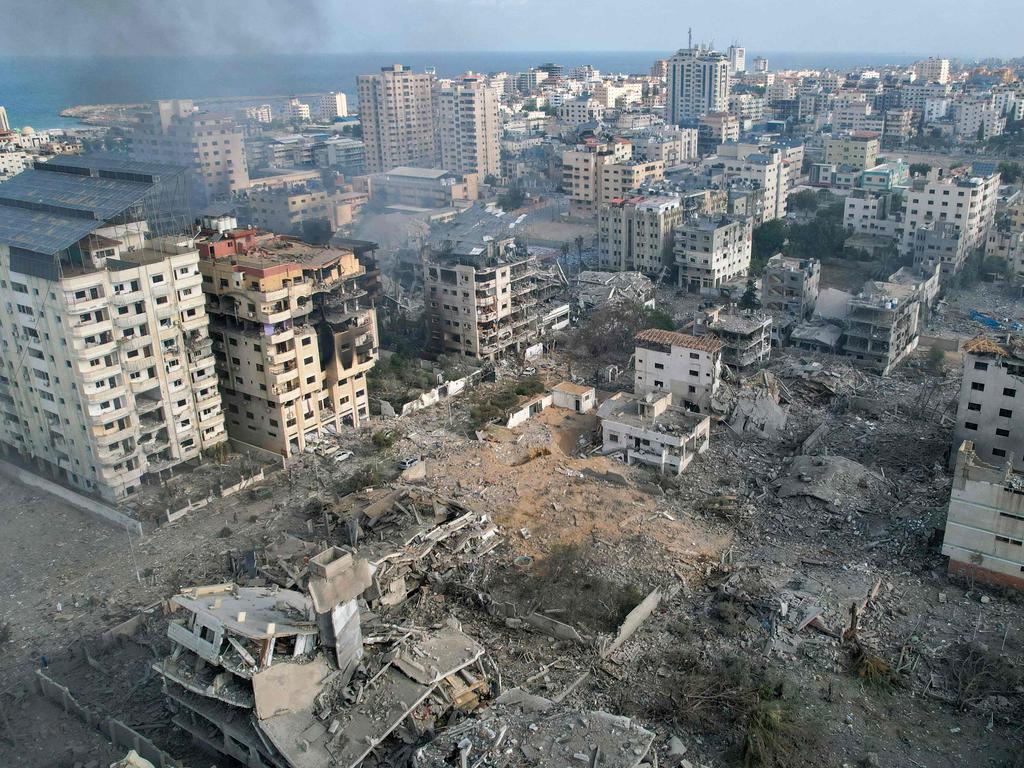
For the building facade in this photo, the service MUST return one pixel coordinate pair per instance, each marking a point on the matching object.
(469, 128)
(712, 251)
(698, 83)
(689, 367)
(635, 233)
(396, 111)
(790, 285)
(108, 375)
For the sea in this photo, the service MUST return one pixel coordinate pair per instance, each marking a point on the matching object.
(35, 89)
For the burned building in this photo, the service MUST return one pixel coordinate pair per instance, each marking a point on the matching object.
(487, 295)
(790, 285)
(294, 335)
(746, 336)
(882, 326)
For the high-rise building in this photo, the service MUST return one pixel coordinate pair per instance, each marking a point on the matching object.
(932, 70)
(332, 105)
(396, 110)
(210, 146)
(297, 111)
(698, 83)
(760, 64)
(737, 59)
(4, 124)
(469, 127)
(659, 69)
(108, 373)
(293, 336)
(582, 170)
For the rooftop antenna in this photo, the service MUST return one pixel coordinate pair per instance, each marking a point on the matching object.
(689, 37)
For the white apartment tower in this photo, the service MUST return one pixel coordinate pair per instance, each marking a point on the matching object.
(108, 373)
(737, 59)
(932, 70)
(469, 126)
(332, 105)
(698, 83)
(396, 110)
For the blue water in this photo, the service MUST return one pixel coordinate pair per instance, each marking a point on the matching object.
(35, 89)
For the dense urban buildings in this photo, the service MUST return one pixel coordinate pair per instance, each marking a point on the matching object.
(396, 110)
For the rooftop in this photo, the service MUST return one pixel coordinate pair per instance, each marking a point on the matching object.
(255, 612)
(674, 339)
(625, 408)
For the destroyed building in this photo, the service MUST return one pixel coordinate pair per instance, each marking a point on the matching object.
(269, 676)
(746, 336)
(984, 537)
(485, 295)
(790, 285)
(598, 289)
(650, 430)
(689, 367)
(990, 413)
(882, 326)
(294, 335)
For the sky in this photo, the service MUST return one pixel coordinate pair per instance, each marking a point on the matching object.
(953, 28)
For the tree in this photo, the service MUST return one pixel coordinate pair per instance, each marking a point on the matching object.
(804, 200)
(609, 331)
(919, 169)
(579, 247)
(750, 299)
(768, 240)
(1010, 173)
(512, 198)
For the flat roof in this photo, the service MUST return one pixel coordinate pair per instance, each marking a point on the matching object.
(419, 173)
(255, 612)
(97, 198)
(571, 389)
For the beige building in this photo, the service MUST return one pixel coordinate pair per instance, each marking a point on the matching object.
(698, 83)
(769, 169)
(635, 233)
(649, 429)
(292, 335)
(488, 298)
(710, 252)
(211, 146)
(585, 109)
(396, 111)
(968, 202)
(469, 127)
(619, 179)
(984, 538)
(790, 285)
(423, 188)
(108, 376)
(290, 210)
(857, 150)
(932, 70)
(332, 105)
(581, 172)
(881, 328)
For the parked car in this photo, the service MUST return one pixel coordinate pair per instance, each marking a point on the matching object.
(342, 456)
(411, 461)
(529, 371)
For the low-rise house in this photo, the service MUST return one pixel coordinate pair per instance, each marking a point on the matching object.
(574, 397)
(650, 430)
(984, 537)
(687, 366)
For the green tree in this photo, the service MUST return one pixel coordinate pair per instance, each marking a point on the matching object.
(804, 200)
(512, 198)
(1010, 173)
(919, 169)
(768, 240)
(750, 298)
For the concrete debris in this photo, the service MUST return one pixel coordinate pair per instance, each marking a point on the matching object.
(533, 731)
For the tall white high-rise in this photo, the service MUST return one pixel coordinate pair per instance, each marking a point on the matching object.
(396, 109)
(4, 125)
(698, 83)
(469, 128)
(737, 59)
(333, 105)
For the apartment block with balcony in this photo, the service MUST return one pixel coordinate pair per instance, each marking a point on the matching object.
(881, 328)
(108, 375)
(397, 112)
(967, 201)
(488, 296)
(790, 285)
(581, 172)
(469, 128)
(294, 338)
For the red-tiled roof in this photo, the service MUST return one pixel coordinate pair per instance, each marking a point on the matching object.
(671, 338)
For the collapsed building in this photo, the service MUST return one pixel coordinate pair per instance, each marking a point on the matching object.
(599, 289)
(882, 326)
(790, 285)
(488, 295)
(746, 336)
(294, 335)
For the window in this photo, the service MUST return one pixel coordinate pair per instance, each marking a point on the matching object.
(977, 386)
(1009, 392)
(694, 373)
(694, 356)
(974, 406)
(999, 452)
(659, 366)
(970, 425)
(1006, 413)
(1002, 432)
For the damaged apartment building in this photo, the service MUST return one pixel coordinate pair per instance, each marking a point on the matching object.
(293, 332)
(108, 376)
(275, 678)
(487, 294)
(689, 367)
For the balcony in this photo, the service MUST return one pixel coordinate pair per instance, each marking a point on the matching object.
(149, 447)
(136, 364)
(129, 320)
(129, 343)
(124, 298)
(83, 330)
